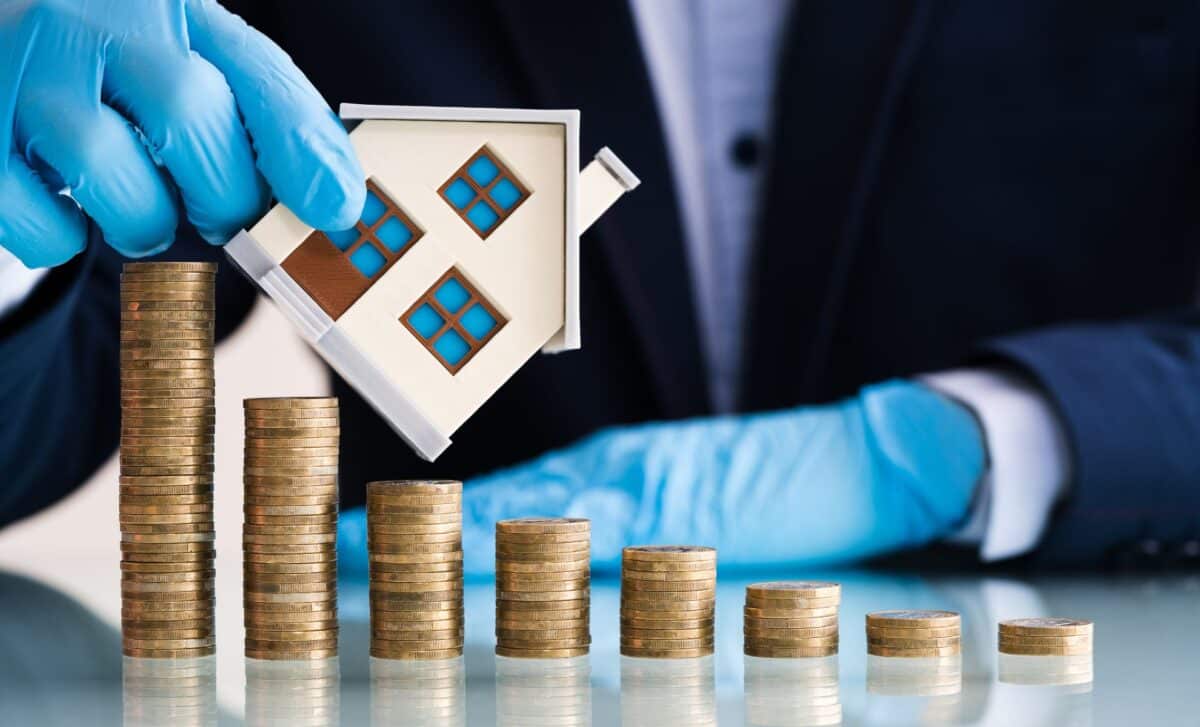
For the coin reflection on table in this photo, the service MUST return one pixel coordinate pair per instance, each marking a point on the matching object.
(925, 689)
(668, 692)
(792, 692)
(169, 691)
(1066, 671)
(420, 693)
(1051, 690)
(550, 692)
(298, 693)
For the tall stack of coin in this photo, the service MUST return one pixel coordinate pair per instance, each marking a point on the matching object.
(1046, 637)
(293, 693)
(418, 693)
(178, 692)
(414, 543)
(554, 692)
(668, 601)
(543, 587)
(790, 619)
(166, 483)
(289, 537)
(799, 692)
(914, 633)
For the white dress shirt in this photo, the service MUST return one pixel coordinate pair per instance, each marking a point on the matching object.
(712, 64)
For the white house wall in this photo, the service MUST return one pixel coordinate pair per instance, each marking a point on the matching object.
(518, 268)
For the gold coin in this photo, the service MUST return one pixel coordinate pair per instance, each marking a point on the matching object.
(313, 621)
(666, 653)
(541, 653)
(291, 402)
(165, 363)
(163, 276)
(144, 634)
(647, 577)
(182, 624)
(573, 595)
(204, 574)
(382, 586)
(253, 539)
(655, 624)
(167, 537)
(785, 653)
(796, 642)
(205, 548)
(169, 643)
(297, 597)
(435, 539)
(428, 487)
(386, 623)
(145, 561)
(537, 625)
(1080, 640)
(203, 516)
(165, 509)
(374, 545)
(416, 530)
(509, 566)
(675, 553)
(637, 568)
(322, 508)
(282, 568)
(293, 444)
(767, 633)
(666, 634)
(166, 529)
(307, 455)
(386, 557)
(264, 608)
(293, 464)
(672, 609)
(664, 599)
(296, 471)
(198, 491)
(168, 267)
(283, 635)
(539, 525)
(381, 595)
(325, 431)
(167, 653)
(269, 549)
(569, 557)
(913, 653)
(939, 633)
(402, 513)
(382, 651)
(666, 643)
(290, 483)
(274, 523)
(545, 586)
(640, 587)
(205, 480)
(267, 426)
(129, 500)
(913, 619)
(415, 500)
(790, 613)
(794, 589)
(275, 644)
(532, 579)
(517, 611)
(436, 577)
(1046, 627)
(378, 566)
(416, 610)
(453, 635)
(258, 585)
(780, 603)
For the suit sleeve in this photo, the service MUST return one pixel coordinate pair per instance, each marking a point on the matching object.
(59, 372)
(1128, 395)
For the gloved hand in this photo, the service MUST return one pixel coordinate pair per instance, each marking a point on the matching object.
(134, 105)
(894, 467)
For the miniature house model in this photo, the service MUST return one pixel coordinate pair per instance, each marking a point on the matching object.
(463, 264)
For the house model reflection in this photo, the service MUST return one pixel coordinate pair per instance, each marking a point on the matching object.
(463, 264)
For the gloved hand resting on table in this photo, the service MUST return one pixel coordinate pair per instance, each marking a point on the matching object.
(894, 467)
(134, 106)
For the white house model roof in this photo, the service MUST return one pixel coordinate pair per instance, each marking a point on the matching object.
(451, 279)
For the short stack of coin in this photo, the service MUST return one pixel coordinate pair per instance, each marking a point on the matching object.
(920, 634)
(1046, 637)
(414, 543)
(791, 619)
(290, 532)
(550, 692)
(418, 693)
(668, 601)
(166, 481)
(543, 587)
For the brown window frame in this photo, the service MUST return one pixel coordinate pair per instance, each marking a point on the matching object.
(367, 234)
(481, 193)
(451, 321)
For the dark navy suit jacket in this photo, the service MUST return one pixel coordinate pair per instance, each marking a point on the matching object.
(951, 182)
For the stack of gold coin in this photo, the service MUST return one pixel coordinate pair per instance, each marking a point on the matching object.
(292, 693)
(543, 587)
(790, 619)
(914, 633)
(1046, 637)
(668, 601)
(289, 537)
(176, 692)
(414, 543)
(419, 693)
(166, 482)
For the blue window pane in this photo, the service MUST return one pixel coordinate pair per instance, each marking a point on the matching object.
(426, 321)
(393, 234)
(452, 295)
(460, 193)
(478, 322)
(373, 209)
(343, 239)
(452, 347)
(367, 259)
(505, 194)
(483, 170)
(482, 216)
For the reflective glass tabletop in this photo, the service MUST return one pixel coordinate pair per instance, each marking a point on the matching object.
(60, 664)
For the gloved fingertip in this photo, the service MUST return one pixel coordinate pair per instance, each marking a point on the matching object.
(143, 250)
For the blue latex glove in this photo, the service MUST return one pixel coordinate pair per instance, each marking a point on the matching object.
(894, 467)
(135, 105)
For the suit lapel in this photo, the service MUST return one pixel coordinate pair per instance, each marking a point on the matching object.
(843, 70)
(587, 56)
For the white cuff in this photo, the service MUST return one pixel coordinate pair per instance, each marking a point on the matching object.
(1029, 457)
(16, 281)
